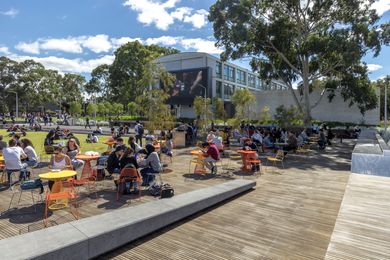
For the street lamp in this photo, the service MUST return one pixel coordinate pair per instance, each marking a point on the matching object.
(17, 102)
(385, 108)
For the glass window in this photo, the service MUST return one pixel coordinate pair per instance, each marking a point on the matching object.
(228, 73)
(258, 83)
(252, 80)
(228, 90)
(219, 89)
(218, 70)
(241, 77)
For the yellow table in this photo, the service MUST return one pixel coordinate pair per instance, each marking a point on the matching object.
(57, 177)
(1, 158)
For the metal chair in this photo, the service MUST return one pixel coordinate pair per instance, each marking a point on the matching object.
(279, 157)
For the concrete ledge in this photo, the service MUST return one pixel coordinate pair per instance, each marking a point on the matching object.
(93, 236)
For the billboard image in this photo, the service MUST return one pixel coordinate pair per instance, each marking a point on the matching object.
(188, 85)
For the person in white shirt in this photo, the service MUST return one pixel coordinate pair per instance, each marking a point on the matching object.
(12, 158)
(210, 137)
(28, 148)
(257, 138)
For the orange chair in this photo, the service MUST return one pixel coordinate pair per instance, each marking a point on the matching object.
(127, 175)
(88, 180)
(69, 195)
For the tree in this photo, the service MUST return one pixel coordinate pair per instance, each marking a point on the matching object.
(127, 70)
(202, 109)
(91, 108)
(117, 108)
(132, 108)
(301, 41)
(287, 116)
(153, 102)
(264, 115)
(75, 108)
(99, 83)
(242, 99)
(220, 112)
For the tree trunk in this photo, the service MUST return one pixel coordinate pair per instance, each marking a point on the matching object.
(305, 79)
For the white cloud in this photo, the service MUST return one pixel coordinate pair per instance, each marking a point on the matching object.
(71, 45)
(4, 50)
(117, 42)
(200, 45)
(64, 65)
(381, 6)
(164, 40)
(159, 13)
(99, 43)
(198, 19)
(32, 47)
(373, 67)
(11, 12)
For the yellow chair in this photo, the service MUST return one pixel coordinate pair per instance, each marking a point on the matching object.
(279, 157)
(304, 149)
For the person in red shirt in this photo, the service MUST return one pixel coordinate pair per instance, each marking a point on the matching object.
(212, 156)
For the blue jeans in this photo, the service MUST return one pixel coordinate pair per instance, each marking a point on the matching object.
(31, 163)
(147, 175)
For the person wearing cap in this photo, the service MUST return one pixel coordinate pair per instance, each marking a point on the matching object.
(151, 164)
(113, 160)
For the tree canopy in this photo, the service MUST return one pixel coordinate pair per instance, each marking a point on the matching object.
(300, 41)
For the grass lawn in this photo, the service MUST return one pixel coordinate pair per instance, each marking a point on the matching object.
(37, 139)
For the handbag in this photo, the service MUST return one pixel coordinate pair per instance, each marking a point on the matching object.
(167, 191)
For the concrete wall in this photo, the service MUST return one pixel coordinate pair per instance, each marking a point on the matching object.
(337, 111)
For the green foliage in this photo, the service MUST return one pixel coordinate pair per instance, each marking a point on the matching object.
(75, 108)
(91, 108)
(219, 108)
(265, 116)
(302, 41)
(202, 109)
(132, 108)
(286, 117)
(242, 99)
(117, 108)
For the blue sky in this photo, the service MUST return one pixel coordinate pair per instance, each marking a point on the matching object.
(76, 36)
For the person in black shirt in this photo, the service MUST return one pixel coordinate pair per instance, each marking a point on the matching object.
(249, 145)
(128, 159)
(113, 164)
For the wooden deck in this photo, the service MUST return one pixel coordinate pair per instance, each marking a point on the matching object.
(290, 215)
(362, 229)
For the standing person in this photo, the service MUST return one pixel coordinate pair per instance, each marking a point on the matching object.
(12, 158)
(213, 156)
(28, 148)
(139, 131)
(87, 123)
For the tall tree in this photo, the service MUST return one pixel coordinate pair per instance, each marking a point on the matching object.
(304, 40)
(128, 68)
(99, 83)
(242, 100)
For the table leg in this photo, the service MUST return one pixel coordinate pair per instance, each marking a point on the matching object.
(199, 168)
(245, 163)
(87, 169)
(61, 203)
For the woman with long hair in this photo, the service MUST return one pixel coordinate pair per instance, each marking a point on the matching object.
(72, 149)
(151, 165)
(28, 148)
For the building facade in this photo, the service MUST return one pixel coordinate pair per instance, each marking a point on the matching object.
(201, 74)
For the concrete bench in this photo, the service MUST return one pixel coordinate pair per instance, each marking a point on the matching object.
(93, 236)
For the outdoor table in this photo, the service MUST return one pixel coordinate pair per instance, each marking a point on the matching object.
(87, 165)
(246, 155)
(57, 177)
(1, 158)
(199, 168)
(109, 144)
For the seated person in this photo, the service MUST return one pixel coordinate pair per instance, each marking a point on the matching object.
(71, 150)
(113, 160)
(12, 157)
(165, 149)
(151, 164)
(217, 141)
(28, 148)
(59, 161)
(92, 138)
(133, 145)
(268, 142)
(98, 130)
(127, 160)
(210, 137)
(149, 139)
(292, 142)
(212, 156)
(257, 137)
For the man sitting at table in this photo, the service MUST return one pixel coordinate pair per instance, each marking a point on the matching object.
(292, 142)
(12, 158)
(212, 156)
(113, 163)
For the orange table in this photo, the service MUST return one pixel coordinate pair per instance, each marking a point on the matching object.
(109, 144)
(246, 155)
(57, 177)
(199, 168)
(87, 165)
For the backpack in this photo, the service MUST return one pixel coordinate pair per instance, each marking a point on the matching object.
(140, 129)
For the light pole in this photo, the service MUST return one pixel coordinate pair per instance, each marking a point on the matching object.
(385, 108)
(94, 109)
(17, 102)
